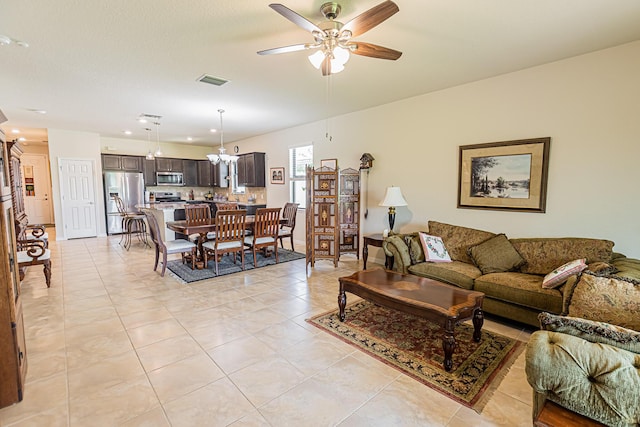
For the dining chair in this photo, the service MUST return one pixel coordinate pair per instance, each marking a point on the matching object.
(132, 223)
(289, 222)
(198, 213)
(229, 231)
(265, 232)
(34, 252)
(177, 246)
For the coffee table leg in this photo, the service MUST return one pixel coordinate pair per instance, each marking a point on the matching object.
(478, 320)
(342, 302)
(448, 345)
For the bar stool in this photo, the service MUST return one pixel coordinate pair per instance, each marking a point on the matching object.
(132, 223)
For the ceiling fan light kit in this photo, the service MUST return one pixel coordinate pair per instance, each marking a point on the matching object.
(334, 39)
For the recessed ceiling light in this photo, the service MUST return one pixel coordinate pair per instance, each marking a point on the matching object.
(35, 110)
(189, 138)
(213, 130)
(15, 130)
(127, 132)
(22, 139)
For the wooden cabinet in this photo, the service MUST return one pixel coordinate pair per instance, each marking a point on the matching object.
(149, 172)
(168, 165)
(251, 170)
(205, 174)
(122, 163)
(13, 368)
(190, 171)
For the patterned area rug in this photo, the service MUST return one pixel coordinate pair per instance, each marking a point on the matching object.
(185, 274)
(414, 346)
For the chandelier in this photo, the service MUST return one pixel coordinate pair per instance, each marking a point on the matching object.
(222, 156)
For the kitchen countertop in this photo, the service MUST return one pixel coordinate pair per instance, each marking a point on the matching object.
(162, 206)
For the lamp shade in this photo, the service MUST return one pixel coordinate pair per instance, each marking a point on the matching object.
(393, 197)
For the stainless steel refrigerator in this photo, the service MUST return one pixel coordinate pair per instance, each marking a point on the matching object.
(130, 187)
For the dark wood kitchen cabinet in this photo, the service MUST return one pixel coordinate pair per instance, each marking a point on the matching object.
(210, 175)
(122, 163)
(190, 171)
(168, 165)
(251, 170)
(149, 172)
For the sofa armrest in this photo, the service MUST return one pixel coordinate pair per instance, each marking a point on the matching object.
(596, 380)
(394, 246)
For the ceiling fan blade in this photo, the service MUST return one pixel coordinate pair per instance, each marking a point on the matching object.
(373, 50)
(297, 19)
(287, 49)
(326, 66)
(372, 17)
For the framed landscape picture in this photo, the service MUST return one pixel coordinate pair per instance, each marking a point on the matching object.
(508, 175)
(277, 175)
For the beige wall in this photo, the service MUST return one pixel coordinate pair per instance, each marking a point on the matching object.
(588, 105)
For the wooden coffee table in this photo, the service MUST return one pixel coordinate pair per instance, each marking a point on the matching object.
(435, 301)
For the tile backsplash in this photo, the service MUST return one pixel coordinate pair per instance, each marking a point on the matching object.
(260, 193)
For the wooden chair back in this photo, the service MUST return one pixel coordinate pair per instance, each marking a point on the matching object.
(267, 223)
(289, 215)
(200, 213)
(230, 225)
(119, 205)
(226, 206)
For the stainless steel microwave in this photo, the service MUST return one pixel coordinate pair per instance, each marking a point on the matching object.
(170, 178)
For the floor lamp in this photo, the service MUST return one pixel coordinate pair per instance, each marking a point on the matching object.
(393, 198)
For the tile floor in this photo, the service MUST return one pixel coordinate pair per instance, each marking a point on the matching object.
(111, 343)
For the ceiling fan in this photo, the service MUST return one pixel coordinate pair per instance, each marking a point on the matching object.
(333, 39)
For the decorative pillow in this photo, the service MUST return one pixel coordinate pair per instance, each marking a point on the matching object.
(434, 249)
(589, 330)
(458, 239)
(495, 255)
(558, 276)
(416, 253)
(614, 300)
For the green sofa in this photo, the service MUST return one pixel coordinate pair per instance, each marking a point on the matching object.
(589, 361)
(512, 286)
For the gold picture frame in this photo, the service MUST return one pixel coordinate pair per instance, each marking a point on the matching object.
(507, 175)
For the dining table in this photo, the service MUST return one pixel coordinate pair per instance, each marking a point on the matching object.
(203, 228)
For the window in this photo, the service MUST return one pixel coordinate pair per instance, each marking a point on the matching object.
(299, 158)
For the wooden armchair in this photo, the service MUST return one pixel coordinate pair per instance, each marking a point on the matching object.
(265, 232)
(230, 225)
(32, 252)
(178, 246)
(286, 228)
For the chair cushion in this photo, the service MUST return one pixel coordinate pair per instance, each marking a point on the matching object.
(24, 257)
(179, 245)
(222, 245)
(259, 240)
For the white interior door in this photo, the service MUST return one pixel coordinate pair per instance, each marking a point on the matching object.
(78, 198)
(36, 187)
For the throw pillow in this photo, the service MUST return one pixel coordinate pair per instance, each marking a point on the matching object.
(589, 330)
(414, 244)
(612, 299)
(434, 249)
(560, 275)
(495, 255)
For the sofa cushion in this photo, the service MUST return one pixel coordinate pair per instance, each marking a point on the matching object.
(614, 300)
(592, 331)
(544, 254)
(520, 288)
(455, 273)
(560, 275)
(458, 239)
(416, 253)
(495, 255)
(434, 249)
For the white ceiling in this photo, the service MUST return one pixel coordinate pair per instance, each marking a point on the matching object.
(95, 66)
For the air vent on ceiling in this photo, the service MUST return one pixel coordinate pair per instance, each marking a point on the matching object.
(217, 81)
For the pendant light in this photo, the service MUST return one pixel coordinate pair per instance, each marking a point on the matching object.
(158, 150)
(222, 156)
(149, 153)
